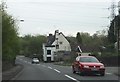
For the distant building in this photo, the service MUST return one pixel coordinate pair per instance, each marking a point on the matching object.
(55, 43)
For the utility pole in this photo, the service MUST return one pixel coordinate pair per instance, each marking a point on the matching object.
(118, 39)
(113, 9)
(117, 27)
(118, 35)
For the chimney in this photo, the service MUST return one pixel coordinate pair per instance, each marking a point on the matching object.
(50, 35)
(56, 33)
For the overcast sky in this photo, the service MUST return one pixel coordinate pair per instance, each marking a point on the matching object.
(68, 16)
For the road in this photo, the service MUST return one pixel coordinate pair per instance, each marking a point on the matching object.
(51, 72)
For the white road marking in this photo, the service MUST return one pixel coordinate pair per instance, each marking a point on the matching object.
(71, 78)
(49, 67)
(108, 73)
(43, 65)
(57, 70)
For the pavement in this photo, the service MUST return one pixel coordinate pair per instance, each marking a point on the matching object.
(117, 73)
(9, 74)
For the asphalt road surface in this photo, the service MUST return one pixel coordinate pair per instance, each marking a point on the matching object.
(50, 72)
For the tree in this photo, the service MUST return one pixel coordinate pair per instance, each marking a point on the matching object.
(111, 33)
(10, 40)
(78, 37)
(86, 38)
(31, 45)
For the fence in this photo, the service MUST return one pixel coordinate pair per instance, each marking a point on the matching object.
(110, 60)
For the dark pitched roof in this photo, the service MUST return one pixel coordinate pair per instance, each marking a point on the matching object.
(50, 40)
(85, 48)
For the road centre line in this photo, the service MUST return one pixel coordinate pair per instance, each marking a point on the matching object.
(49, 67)
(71, 78)
(57, 70)
(43, 65)
(108, 73)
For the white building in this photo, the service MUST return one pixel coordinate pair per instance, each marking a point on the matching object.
(55, 43)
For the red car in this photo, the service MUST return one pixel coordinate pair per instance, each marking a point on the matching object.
(88, 65)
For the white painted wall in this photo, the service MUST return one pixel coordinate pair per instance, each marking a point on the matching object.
(65, 46)
(52, 52)
(45, 53)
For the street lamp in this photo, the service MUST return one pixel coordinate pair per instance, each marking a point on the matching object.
(21, 20)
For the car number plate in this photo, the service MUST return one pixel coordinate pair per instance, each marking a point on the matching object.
(94, 69)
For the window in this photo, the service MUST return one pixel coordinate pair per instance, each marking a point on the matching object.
(49, 52)
(57, 46)
(89, 59)
(56, 38)
(60, 42)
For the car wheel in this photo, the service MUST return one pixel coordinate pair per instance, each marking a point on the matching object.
(102, 74)
(80, 73)
(73, 70)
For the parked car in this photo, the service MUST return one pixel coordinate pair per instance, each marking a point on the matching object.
(35, 60)
(88, 65)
